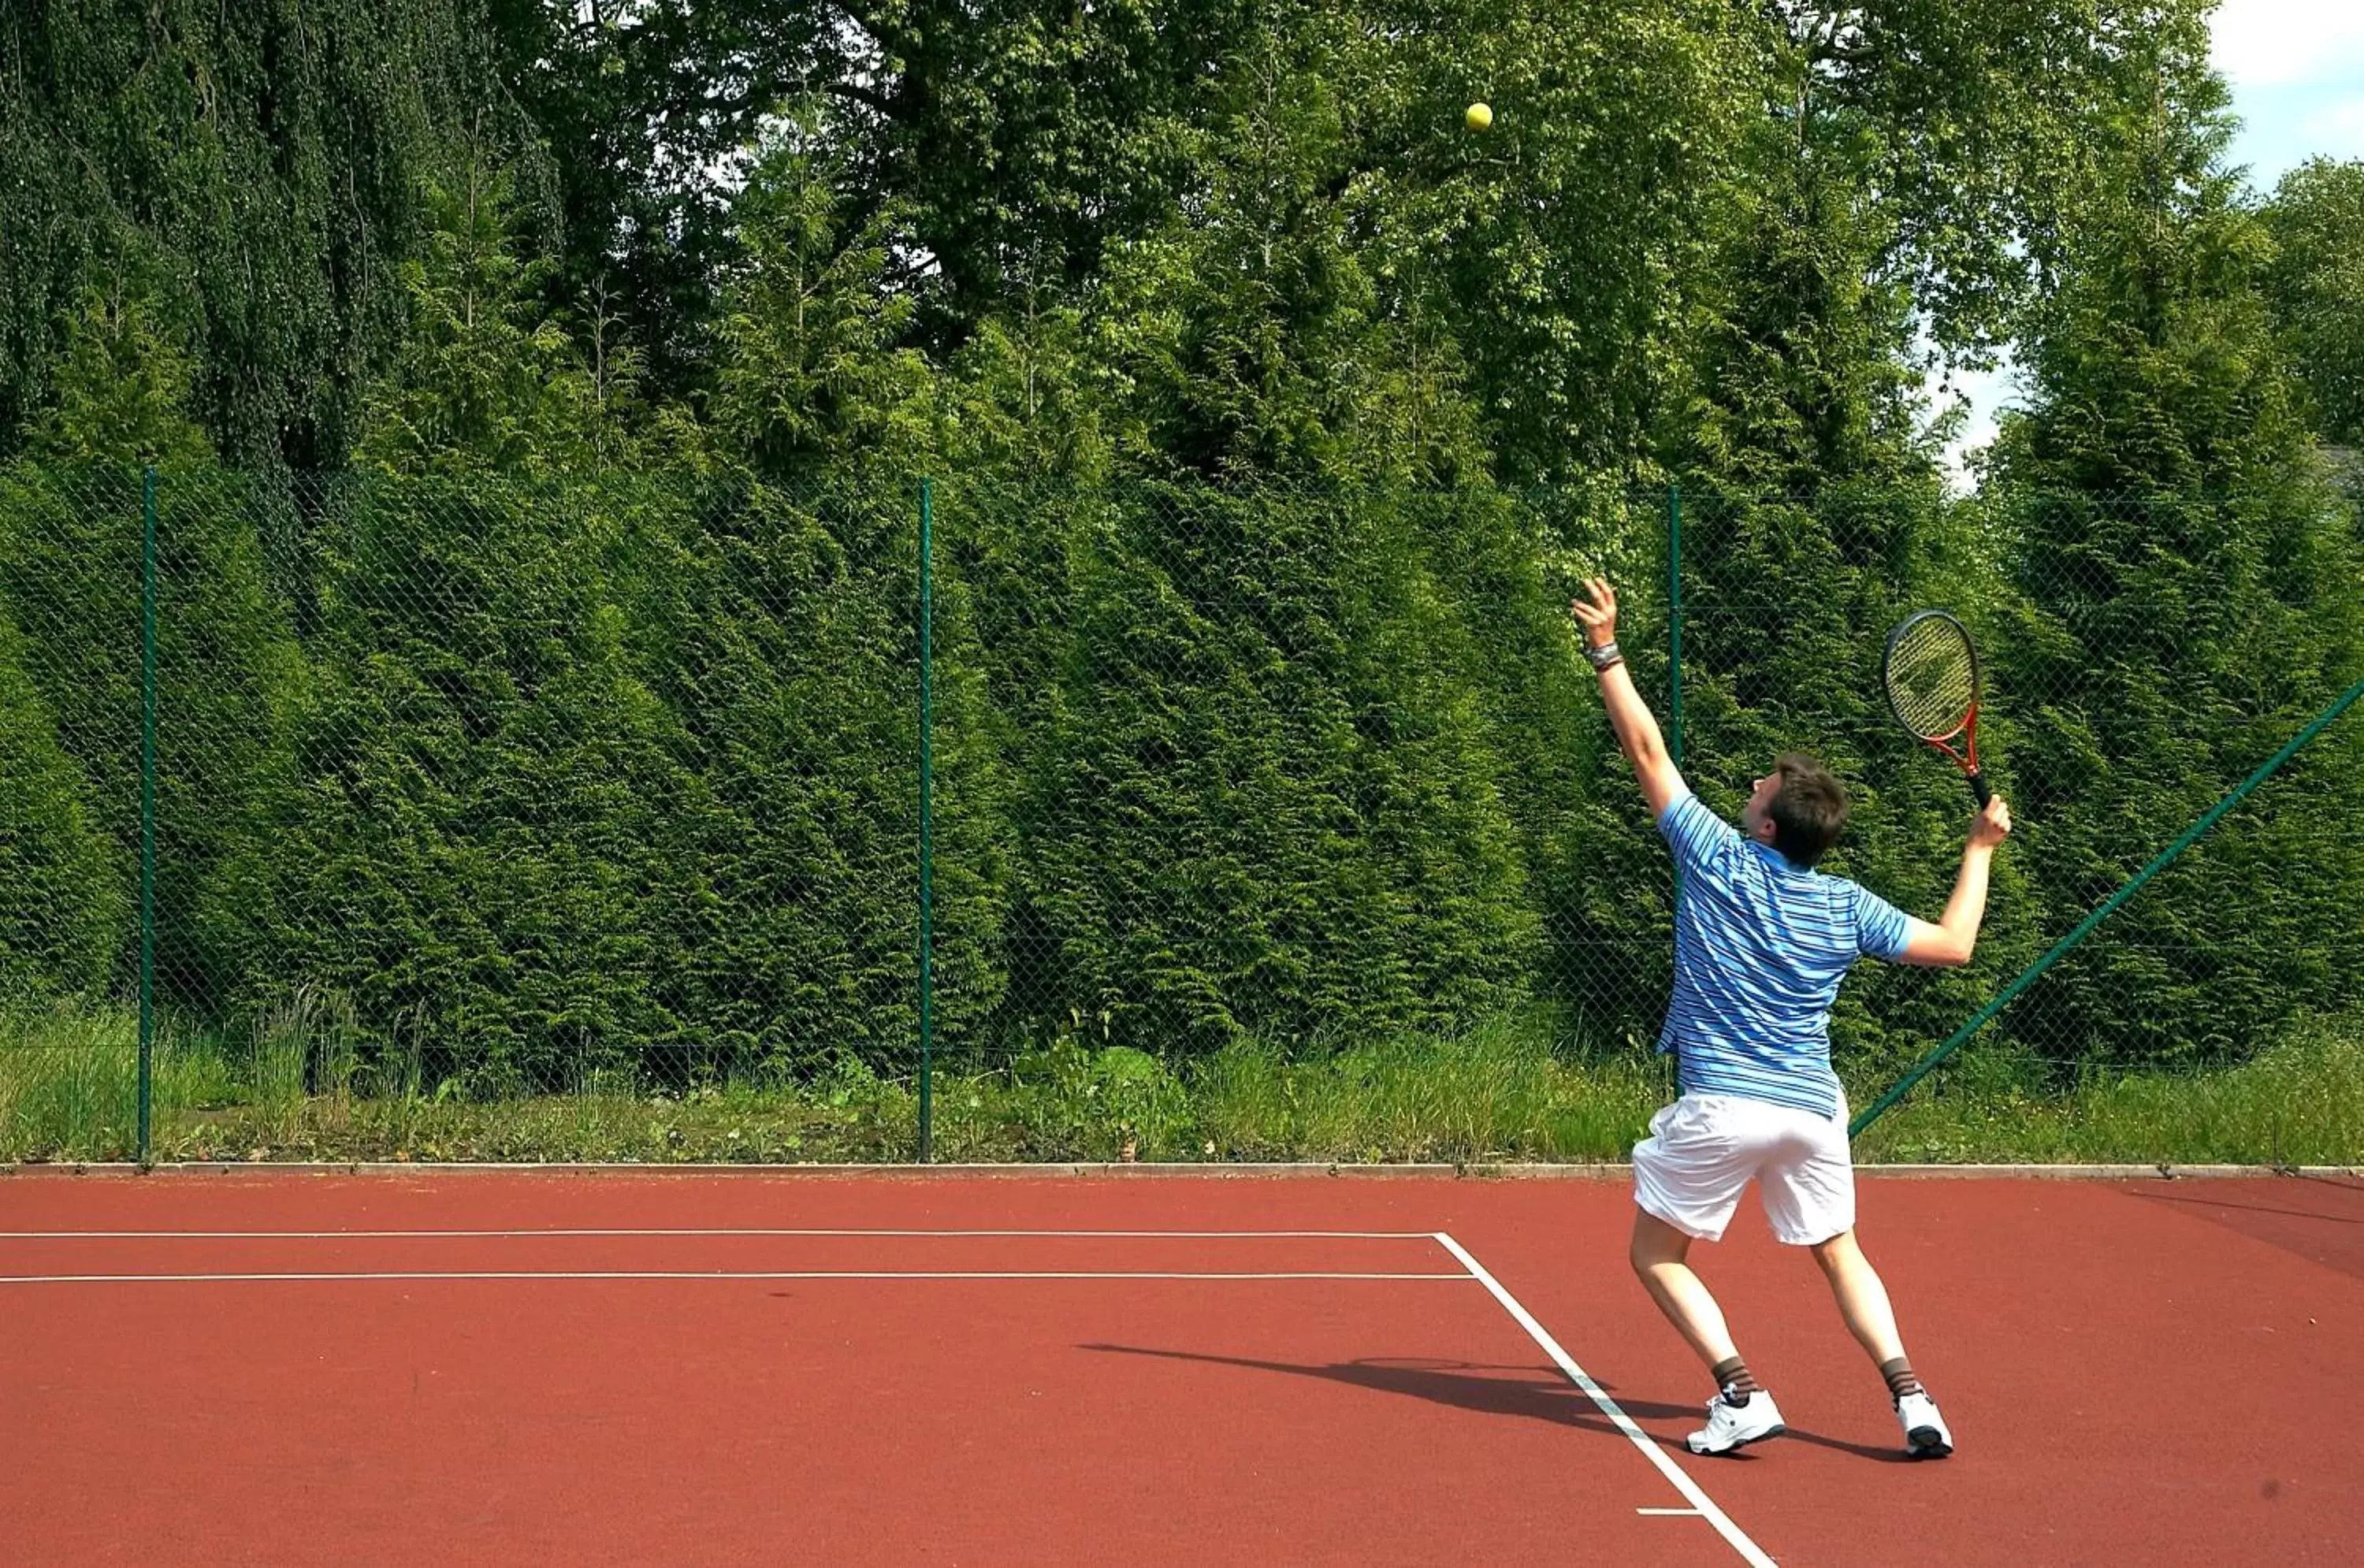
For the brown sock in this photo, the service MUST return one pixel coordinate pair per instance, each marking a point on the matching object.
(1901, 1380)
(1732, 1379)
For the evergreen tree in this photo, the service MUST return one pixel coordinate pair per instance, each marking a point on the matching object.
(61, 906)
(800, 682)
(486, 378)
(489, 797)
(812, 375)
(1261, 779)
(2315, 284)
(1813, 520)
(264, 154)
(70, 573)
(2194, 598)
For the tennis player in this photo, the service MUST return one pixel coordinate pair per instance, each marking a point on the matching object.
(1761, 942)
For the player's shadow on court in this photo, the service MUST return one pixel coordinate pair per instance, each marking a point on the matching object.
(2238, 1204)
(1543, 1395)
(2318, 1217)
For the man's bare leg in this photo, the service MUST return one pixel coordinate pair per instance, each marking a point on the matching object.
(1863, 1302)
(1862, 1298)
(1660, 1254)
(1741, 1413)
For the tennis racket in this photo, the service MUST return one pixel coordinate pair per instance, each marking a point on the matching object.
(1931, 674)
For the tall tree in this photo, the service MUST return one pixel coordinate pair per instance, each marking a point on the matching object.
(487, 805)
(647, 108)
(2316, 287)
(812, 373)
(61, 901)
(71, 542)
(2193, 598)
(485, 377)
(263, 155)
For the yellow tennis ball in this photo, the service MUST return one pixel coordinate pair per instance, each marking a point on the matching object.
(1478, 116)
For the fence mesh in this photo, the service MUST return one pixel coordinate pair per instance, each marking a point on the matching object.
(581, 814)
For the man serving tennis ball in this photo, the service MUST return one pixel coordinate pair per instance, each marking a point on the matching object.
(1761, 942)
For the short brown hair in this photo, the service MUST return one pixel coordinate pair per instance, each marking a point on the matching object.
(1809, 810)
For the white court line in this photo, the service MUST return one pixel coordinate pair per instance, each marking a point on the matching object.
(1749, 1550)
(703, 1274)
(708, 1230)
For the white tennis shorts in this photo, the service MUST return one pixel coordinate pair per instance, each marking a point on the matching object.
(1703, 1149)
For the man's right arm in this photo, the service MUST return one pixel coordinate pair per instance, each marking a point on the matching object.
(1949, 943)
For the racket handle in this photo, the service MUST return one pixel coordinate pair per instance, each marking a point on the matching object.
(1979, 788)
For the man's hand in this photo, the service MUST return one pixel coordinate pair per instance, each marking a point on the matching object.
(1599, 618)
(1952, 939)
(1991, 825)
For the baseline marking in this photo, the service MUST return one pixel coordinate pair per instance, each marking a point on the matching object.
(1749, 1550)
(704, 1230)
(704, 1275)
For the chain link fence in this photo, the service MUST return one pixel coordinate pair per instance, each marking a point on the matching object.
(543, 803)
(2143, 656)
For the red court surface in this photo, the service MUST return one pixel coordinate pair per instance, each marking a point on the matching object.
(2138, 1373)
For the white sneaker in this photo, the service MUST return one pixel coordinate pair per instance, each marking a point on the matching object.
(1731, 1427)
(1927, 1435)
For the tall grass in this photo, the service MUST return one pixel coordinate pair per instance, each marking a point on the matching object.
(1498, 1093)
(70, 1081)
(296, 1085)
(69, 1084)
(2301, 1102)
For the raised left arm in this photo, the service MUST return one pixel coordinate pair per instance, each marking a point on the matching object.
(1637, 728)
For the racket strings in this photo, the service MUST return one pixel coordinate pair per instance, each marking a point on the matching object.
(1931, 679)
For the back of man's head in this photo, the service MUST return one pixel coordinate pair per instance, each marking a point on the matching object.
(1809, 810)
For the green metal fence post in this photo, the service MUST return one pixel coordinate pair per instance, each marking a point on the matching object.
(1675, 623)
(146, 804)
(2027, 976)
(927, 813)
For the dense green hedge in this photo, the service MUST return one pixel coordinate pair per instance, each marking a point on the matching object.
(566, 776)
(61, 897)
(228, 669)
(1258, 785)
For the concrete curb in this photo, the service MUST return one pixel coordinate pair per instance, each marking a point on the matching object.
(1135, 1171)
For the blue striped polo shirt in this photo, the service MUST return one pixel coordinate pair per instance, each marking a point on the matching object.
(1760, 947)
